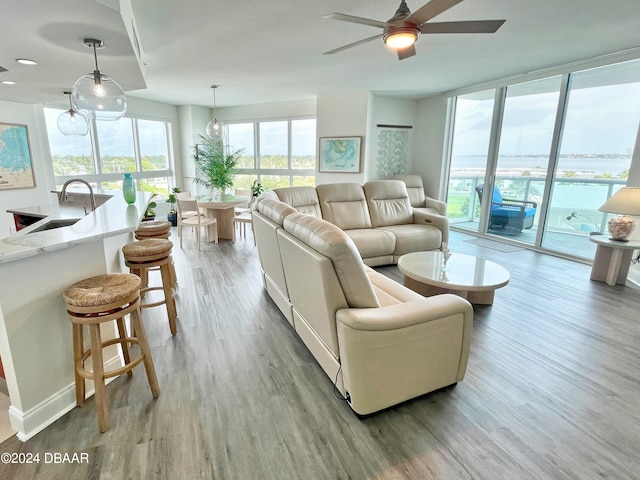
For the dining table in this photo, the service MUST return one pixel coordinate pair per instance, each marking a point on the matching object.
(223, 209)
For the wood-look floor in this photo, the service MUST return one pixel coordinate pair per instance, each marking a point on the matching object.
(552, 390)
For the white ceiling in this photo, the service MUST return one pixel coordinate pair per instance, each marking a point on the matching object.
(272, 51)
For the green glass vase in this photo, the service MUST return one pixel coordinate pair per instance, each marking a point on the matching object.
(128, 189)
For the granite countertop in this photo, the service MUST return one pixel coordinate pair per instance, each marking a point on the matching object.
(113, 217)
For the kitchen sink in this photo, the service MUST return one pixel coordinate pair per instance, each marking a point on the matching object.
(58, 223)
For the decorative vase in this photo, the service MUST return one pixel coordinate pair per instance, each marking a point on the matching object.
(216, 193)
(128, 189)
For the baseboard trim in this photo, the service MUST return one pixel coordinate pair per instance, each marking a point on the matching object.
(33, 421)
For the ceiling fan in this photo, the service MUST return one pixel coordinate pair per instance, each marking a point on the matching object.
(403, 29)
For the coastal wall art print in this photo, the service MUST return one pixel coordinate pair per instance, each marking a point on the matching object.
(16, 170)
(339, 154)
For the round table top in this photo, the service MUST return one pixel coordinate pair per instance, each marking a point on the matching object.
(462, 272)
(605, 240)
(226, 201)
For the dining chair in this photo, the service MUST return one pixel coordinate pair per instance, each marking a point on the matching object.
(240, 224)
(196, 221)
(244, 208)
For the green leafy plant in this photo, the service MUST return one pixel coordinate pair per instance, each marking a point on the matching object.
(172, 199)
(256, 188)
(215, 164)
(150, 213)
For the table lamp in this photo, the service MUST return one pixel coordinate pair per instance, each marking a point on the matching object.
(624, 202)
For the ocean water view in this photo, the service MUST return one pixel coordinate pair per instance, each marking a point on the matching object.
(587, 165)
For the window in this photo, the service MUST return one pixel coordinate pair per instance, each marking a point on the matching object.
(564, 142)
(112, 148)
(278, 153)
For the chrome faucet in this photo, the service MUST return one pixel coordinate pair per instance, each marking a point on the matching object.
(62, 196)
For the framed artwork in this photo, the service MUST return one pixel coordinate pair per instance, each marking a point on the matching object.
(16, 169)
(339, 154)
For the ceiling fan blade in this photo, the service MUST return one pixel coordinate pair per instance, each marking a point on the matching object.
(430, 10)
(472, 26)
(351, 19)
(403, 53)
(354, 44)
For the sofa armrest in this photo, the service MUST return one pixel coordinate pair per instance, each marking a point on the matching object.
(421, 218)
(437, 204)
(406, 314)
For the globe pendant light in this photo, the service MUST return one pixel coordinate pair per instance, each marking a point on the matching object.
(72, 122)
(97, 95)
(215, 128)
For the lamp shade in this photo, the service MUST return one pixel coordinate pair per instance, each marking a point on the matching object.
(99, 96)
(215, 131)
(71, 122)
(625, 201)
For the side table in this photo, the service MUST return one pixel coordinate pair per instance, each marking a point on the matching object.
(612, 260)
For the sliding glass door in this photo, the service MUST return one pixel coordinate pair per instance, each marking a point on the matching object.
(563, 143)
(600, 127)
(471, 134)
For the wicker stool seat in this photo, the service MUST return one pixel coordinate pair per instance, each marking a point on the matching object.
(153, 229)
(157, 229)
(94, 301)
(148, 254)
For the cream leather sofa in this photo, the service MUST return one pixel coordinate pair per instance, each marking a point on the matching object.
(377, 216)
(419, 200)
(379, 342)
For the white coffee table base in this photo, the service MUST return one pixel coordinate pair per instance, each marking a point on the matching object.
(475, 297)
(472, 278)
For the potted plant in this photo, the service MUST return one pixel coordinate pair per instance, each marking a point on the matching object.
(256, 188)
(150, 213)
(172, 216)
(215, 165)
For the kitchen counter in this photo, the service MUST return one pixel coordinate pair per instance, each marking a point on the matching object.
(35, 332)
(111, 218)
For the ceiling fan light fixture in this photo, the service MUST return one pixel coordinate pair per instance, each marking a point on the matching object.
(96, 94)
(401, 37)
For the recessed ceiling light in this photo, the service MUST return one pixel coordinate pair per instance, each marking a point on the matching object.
(26, 61)
(8, 82)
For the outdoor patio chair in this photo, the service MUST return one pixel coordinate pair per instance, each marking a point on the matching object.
(509, 215)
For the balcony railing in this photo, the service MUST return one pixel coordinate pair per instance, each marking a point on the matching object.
(569, 194)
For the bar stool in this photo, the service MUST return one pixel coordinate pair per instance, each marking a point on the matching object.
(148, 254)
(157, 229)
(92, 302)
(153, 229)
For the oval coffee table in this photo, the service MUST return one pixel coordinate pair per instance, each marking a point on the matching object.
(470, 277)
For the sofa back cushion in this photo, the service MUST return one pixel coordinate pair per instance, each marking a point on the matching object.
(275, 210)
(303, 199)
(344, 205)
(328, 240)
(415, 188)
(388, 203)
(266, 223)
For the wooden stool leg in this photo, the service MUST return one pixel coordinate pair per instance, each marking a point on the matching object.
(122, 333)
(98, 378)
(78, 350)
(168, 296)
(146, 351)
(174, 278)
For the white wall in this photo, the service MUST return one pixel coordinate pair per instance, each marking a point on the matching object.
(342, 114)
(266, 111)
(389, 111)
(429, 145)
